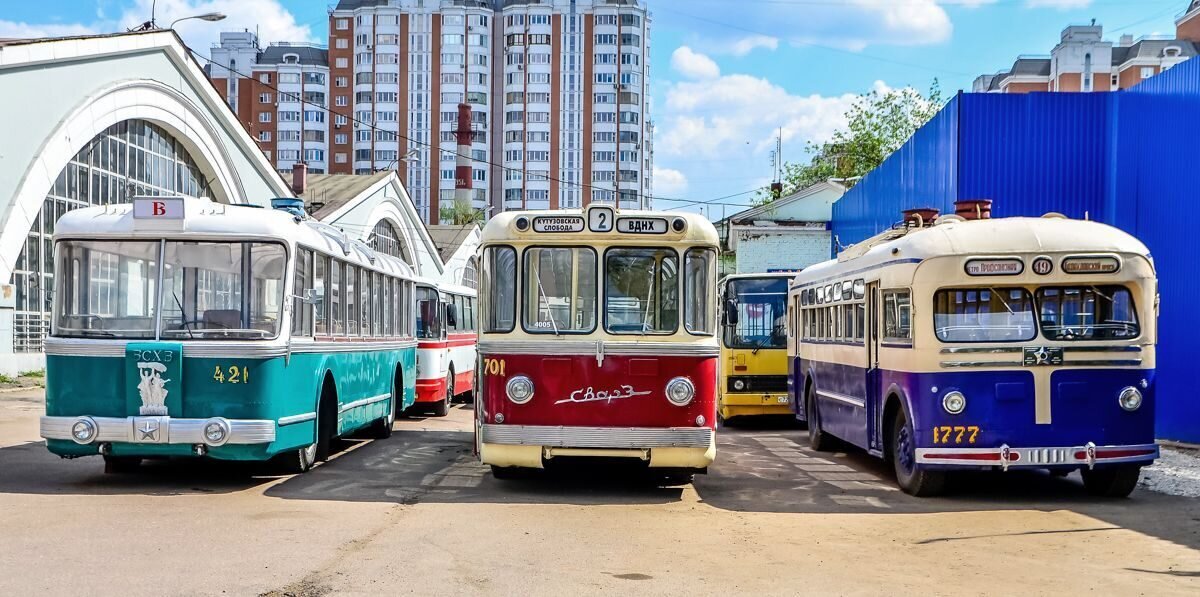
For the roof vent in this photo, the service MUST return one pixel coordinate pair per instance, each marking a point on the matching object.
(289, 204)
(973, 209)
(920, 217)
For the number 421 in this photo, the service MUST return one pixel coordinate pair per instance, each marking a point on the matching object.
(232, 374)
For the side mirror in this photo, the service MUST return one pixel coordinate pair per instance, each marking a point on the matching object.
(312, 297)
(451, 316)
(731, 312)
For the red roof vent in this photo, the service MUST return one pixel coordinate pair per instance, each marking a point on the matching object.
(920, 217)
(973, 209)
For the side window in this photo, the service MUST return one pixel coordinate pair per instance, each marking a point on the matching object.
(302, 311)
(350, 286)
(364, 292)
(338, 312)
(897, 315)
(321, 283)
(376, 305)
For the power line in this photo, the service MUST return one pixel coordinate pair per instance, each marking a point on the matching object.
(304, 101)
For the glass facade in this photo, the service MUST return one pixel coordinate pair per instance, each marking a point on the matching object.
(386, 240)
(131, 158)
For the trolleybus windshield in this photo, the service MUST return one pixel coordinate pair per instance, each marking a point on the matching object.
(560, 290)
(641, 291)
(210, 290)
(984, 315)
(762, 313)
(1087, 313)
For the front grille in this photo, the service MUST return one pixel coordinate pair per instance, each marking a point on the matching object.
(759, 383)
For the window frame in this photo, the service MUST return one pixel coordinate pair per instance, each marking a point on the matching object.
(516, 286)
(679, 289)
(524, 281)
(1035, 312)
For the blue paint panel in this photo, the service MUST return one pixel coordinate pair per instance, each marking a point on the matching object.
(1122, 158)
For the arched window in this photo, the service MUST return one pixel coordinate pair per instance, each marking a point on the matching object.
(470, 277)
(386, 239)
(131, 158)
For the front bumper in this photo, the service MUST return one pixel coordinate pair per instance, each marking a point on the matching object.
(1066, 456)
(770, 403)
(431, 390)
(159, 430)
(531, 445)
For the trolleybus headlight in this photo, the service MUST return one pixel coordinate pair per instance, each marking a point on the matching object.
(84, 430)
(1130, 399)
(680, 391)
(216, 432)
(519, 389)
(739, 384)
(954, 402)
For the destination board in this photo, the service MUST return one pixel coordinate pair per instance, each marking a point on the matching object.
(995, 267)
(558, 224)
(1091, 265)
(642, 225)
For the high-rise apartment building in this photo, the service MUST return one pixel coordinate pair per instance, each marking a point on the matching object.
(280, 93)
(557, 91)
(1084, 61)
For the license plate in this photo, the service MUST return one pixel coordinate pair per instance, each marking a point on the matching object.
(781, 399)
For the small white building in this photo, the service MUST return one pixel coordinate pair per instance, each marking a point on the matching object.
(788, 234)
(458, 244)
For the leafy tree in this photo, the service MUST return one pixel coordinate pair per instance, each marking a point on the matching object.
(877, 125)
(461, 214)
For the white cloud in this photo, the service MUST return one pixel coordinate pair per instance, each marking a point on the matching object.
(669, 183)
(850, 24)
(1059, 4)
(740, 114)
(272, 21)
(694, 65)
(746, 45)
(17, 30)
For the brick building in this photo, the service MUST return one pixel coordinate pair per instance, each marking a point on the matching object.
(790, 233)
(557, 89)
(1084, 61)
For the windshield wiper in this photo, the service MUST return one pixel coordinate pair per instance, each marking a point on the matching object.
(186, 324)
(549, 310)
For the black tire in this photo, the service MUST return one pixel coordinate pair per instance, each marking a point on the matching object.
(1112, 481)
(505, 473)
(326, 421)
(382, 428)
(442, 408)
(817, 438)
(911, 478)
(121, 465)
(297, 461)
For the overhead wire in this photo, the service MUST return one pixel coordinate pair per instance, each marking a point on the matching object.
(442, 152)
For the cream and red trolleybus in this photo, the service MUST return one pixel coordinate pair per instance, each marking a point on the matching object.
(598, 339)
(961, 342)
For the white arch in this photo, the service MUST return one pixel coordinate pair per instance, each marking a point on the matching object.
(389, 211)
(124, 100)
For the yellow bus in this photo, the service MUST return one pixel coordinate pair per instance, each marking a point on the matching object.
(754, 364)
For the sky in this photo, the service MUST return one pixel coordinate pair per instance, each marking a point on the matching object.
(726, 75)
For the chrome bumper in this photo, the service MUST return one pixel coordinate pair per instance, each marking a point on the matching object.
(598, 437)
(159, 430)
(1005, 457)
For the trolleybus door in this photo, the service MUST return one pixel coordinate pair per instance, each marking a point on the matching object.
(871, 336)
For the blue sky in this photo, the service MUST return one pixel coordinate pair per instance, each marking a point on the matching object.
(727, 74)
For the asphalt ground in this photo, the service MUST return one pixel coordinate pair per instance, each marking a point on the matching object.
(416, 514)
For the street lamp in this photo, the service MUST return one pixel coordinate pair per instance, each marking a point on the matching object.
(211, 17)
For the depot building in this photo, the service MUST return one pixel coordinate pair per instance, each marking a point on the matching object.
(106, 118)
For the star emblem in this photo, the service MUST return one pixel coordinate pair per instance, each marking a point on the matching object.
(149, 430)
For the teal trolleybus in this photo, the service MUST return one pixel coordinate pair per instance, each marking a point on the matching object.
(184, 327)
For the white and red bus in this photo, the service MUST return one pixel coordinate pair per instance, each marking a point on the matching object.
(598, 339)
(446, 338)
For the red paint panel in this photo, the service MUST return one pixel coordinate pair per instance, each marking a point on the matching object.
(432, 345)
(464, 382)
(970, 456)
(556, 379)
(431, 390)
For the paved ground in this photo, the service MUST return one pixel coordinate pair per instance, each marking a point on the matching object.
(416, 515)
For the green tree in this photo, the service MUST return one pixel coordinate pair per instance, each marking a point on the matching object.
(877, 124)
(461, 214)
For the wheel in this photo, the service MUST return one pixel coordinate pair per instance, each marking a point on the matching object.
(505, 473)
(1113, 481)
(913, 479)
(442, 408)
(296, 461)
(326, 422)
(382, 428)
(817, 438)
(121, 465)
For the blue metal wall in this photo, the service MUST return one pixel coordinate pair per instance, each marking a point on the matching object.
(1153, 183)
(923, 173)
(1123, 158)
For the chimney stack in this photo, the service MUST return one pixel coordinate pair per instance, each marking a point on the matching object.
(1126, 41)
(462, 164)
(299, 178)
